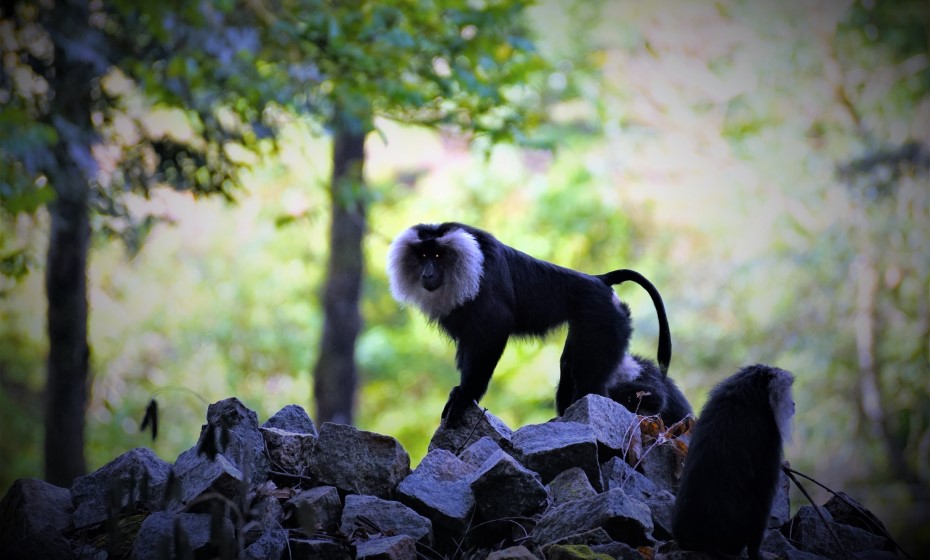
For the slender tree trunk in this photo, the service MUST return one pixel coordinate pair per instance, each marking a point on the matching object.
(871, 392)
(334, 377)
(67, 386)
(69, 353)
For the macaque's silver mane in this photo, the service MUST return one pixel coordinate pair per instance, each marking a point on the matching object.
(461, 279)
(782, 402)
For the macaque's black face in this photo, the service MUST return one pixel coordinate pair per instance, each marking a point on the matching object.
(431, 257)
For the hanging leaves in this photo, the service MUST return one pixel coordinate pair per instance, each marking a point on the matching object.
(151, 418)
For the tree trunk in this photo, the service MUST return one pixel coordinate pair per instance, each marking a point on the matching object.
(69, 353)
(67, 386)
(867, 328)
(334, 377)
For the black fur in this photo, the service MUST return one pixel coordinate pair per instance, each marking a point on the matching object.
(639, 384)
(517, 295)
(733, 463)
(649, 392)
(664, 354)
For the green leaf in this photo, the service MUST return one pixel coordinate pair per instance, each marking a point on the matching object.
(27, 200)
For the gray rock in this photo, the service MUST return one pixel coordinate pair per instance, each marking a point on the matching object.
(812, 512)
(289, 452)
(802, 555)
(199, 475)
(318, 507)
(660, 507)
(551, 448)
(156, 537)
(29, 506)
(46, 542)
(475, 424)
(270, 546)
(569, 485)
(620, 475)
(388, 516)
(781, 503)
(504, 488)
(84, 551)
(624, 519)
(776, 543)
(588, 538)
(320, 549)
(512, 553)
(808, 533)
(399, 547)
(138, 472)
(476, 453)
(440, 489)
(615, 428)
(848, 511)
(246, 446)
(267, 511)
(358, 462)
(292, 418)
(662, 464)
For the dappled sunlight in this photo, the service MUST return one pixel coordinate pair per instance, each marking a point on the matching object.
(702, 146)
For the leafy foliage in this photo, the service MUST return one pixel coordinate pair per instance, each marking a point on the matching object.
(186, 91)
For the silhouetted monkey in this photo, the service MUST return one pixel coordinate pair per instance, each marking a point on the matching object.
(481, 292)
(733, 463)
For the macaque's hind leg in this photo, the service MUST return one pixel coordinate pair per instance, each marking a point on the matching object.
(566, 390)
(594, 351)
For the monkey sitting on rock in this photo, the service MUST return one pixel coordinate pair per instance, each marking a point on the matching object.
(731, 471)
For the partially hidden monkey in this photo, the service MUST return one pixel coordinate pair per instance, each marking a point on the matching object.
(642, 387)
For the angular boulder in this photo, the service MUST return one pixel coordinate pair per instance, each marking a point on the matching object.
(504, 488)
(31, 505)
(624, 519)
(387, 516)
(193, 531)
(440, 489)
(294, 419)
(135, 478)
(237, 437)
(474, 425)
(551, 448)
(317, 508)
(614, 427)
(359, 462)
(570, 485)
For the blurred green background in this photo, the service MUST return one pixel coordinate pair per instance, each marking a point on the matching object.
(764, 164)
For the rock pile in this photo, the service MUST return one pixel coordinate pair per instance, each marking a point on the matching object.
(283, 490)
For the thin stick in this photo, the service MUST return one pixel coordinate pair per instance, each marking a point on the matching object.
(473, 428)
(789, 471)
